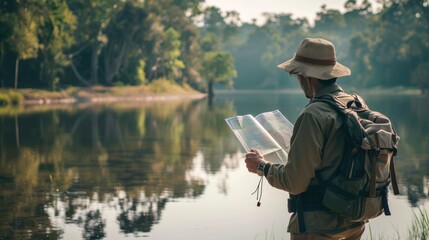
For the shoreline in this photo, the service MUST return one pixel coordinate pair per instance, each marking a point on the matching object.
(64, 104)
(113, 99)
(13, 102)
(97, 94)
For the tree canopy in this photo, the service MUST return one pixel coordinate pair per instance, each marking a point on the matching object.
(50, 44)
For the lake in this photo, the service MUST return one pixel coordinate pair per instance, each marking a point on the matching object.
(171, 170)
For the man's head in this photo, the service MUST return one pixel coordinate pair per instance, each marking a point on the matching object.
(315, 59)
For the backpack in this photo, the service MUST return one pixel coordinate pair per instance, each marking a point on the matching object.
(359, 190)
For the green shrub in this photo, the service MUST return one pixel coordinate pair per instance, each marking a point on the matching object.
(163, 85)
(10, 97)
(15, 98)
(4, 99)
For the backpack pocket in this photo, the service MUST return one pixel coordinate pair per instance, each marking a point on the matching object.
(342, 195)
(345, 197)
(367, 208)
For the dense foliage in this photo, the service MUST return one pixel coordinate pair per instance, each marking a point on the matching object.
(55, 43)
(388, 48)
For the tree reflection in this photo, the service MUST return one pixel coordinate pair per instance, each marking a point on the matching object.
(94, 225)
(131, 219)
(68, 162)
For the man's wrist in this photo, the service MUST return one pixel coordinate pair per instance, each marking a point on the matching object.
(267, 167)
(263, 168)
(260, 168)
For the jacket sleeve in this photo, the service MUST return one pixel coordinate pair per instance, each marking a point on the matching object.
(304, 156)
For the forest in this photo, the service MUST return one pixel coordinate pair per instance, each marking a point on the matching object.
(54, 44)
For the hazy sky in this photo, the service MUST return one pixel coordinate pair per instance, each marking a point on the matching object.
(249, 9)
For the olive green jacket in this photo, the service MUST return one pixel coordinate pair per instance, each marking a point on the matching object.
(317, 143)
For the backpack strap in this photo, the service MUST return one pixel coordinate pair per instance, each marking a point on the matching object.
(393, 176)
(392, 165)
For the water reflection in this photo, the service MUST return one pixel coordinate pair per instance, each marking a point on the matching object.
(71, 164)
(74, 171)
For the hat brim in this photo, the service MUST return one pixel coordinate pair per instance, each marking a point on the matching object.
(316, 71)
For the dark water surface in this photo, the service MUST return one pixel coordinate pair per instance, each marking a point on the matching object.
(169, 170)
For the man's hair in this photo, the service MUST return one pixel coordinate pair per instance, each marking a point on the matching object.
(327, 82)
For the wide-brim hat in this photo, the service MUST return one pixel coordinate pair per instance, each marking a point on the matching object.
(315, 57)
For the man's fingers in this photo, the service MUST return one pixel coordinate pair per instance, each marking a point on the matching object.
(253, 156)
(255, 152)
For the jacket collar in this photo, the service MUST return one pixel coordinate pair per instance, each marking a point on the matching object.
(331, 89)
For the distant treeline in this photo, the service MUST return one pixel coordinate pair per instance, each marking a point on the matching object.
(55, 43)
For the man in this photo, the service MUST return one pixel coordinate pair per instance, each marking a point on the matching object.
(317, 147)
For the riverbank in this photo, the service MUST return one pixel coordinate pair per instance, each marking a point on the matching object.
(162, 90)
(106, 95)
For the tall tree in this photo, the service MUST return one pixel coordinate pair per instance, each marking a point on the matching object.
(56, 30)
(92, 18)
(6, 22)
(180, 16)
(121, 33)
(218, 67)
(23, 40)
(170, 64)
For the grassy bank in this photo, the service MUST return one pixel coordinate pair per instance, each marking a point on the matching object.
(17, 97)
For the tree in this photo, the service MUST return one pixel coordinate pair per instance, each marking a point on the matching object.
(36, 33)
(180, 17)
(56, 30)
(23, 40)
(92, 18)
(167, 63)
(286, 34)
(121, 33)
(329, 20)
(218, 67)
(6, 32)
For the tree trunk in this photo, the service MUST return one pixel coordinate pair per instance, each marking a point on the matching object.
(112, 64)
(42, 67)
(16, 72)
(95, 52)
(75, 71)
(211, 93)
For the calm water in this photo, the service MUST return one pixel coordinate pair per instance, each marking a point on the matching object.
(169, 170)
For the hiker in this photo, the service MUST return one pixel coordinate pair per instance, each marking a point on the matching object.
(317, 145)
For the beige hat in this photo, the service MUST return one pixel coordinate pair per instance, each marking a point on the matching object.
(316, 58)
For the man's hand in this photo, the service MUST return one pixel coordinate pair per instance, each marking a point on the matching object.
(253, 159)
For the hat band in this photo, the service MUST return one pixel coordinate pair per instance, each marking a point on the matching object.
(315, 61)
